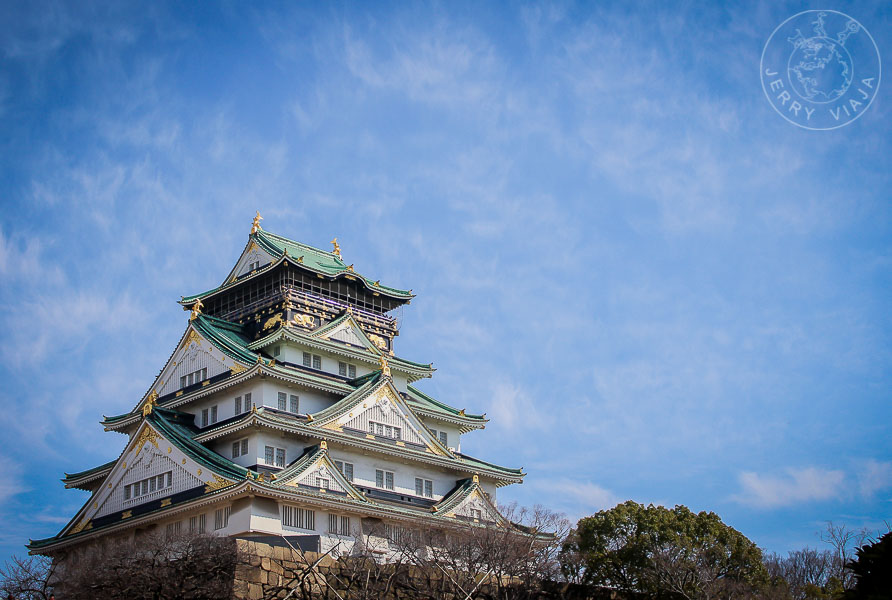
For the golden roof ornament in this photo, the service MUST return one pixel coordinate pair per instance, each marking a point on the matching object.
(150, 404)
(337, 248)
(196, 310)
(385, 370)
(323, 444)
(255, 226)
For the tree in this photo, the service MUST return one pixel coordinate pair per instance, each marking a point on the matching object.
(479, 561)
(27, 578)
(657, 550)
(147, 566)
(872, 570)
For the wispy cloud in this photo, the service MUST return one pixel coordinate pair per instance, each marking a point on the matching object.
(813, 484)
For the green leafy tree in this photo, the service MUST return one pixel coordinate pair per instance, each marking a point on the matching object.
(657, 550)
(873, 571)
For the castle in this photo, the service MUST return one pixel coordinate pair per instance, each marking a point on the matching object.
(284, 410)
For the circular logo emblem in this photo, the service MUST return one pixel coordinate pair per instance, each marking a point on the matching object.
(820, 69)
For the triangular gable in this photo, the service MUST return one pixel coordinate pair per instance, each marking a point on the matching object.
(346, 330)
(149, 455)
(193, 353)
(379, 405)
(465, 501)
(251, 255)
(316, 469)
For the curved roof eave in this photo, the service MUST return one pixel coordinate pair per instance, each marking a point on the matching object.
(340, 270)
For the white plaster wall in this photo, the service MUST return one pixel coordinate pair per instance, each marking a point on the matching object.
(310, 401)
(452, 434)
(404, 475)
(293, 353)
(224, 400)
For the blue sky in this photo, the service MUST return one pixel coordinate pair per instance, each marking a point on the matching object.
(656, 287)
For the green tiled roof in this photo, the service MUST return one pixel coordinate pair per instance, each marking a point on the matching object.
(228, 337)
(456, 495)
(179, 428)
(73, 476)
(472, 462)
(313, 339)
(314, 259)
(422, 400)
(318, 260)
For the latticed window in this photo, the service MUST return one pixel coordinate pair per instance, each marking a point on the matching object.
(221, 517)
(346, 469)
(148, 485)
(193, 377)
(301, 518)
(383, 430)
(384, 479)
(295, 403)
(346, 370)
(338, 525)
(268, 454)
(424, 487)
(283, 401)
(322, 483)
(238, 405)
(280, 457)
(317, 361)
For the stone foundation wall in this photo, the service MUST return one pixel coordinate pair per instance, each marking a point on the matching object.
(265, 572)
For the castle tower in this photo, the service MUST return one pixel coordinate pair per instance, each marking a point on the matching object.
(284, 410)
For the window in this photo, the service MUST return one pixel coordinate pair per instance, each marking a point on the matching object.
(424, 487)
(204, 418)
(197, 524)
(347, 370)
(202, 523)
(283, 401)
(193, 377)
(338, 525)
(174, 528)
(277, 350)
(254, 265)
(476, 513)
(214, 414)
(384, 479)
(240, 448)
(387, 431)
(312, 360)
(156, 483)
(397, 534)
(241, 407)
(442, 436)
(295, 403)
(323, 483)
(346, 469)
(221, 517)
(300, 518)
(274, 456)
